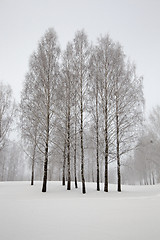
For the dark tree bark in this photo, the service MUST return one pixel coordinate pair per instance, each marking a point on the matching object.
(106, 144)
(117, 140)
(68, 148)
(32, 176)
(75, 157)
(75, 165)
(44, 188)
(97, 136)
(75, 142)
(153, 178)
(118, 155)
(33, 164)
(64, 165)
(82, 147)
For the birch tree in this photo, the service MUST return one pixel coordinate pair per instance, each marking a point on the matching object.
(44, 68)
(105, 58)
(29, 122)
(128, 107)
(67, 71)
(7, 113)
(81, 61)
(95, 104)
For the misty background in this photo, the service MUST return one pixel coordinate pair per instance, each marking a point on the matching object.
(135, 24)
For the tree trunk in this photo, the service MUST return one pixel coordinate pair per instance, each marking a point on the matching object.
(82, 147)
(153, 179)
(106, 146)
(44, 188)
(118, 156)
(33, 164)
(64, 164)
(75, 161)
(75, 144)
(68, 150)
(97, 137)
(106, 164)
(117, 141)
(32, 176)
(92, 179)
(98, 185)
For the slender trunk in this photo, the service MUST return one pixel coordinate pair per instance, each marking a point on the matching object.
(153, 179)
(32, 176)
(65, 146)
(44, 188)
(97, 137)
(106, 145)
(33, 164)
(82, 147)
(98, 180)
(92, 175)
(106, 163)
(118, 156)
(75, 146)
(68, 150)
(75, 169)
(75, 161)
(64, 164)
(68, 90)
(117, 136)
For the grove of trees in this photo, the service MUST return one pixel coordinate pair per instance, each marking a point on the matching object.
(80, 118)
(80, 109)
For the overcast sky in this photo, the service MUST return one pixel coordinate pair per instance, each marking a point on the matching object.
(134, 23)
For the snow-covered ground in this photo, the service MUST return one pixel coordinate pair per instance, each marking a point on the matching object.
(28, 214)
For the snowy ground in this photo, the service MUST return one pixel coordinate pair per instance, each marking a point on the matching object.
(28, 214)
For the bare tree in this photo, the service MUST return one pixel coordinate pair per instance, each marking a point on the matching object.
(105, 58)
(44, 69)
(81, 61)
(128, 102)
(146, 165)
(29, 122)
(7, 112)
(95, 104)
(67, 70)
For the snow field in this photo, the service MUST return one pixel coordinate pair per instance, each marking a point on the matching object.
(28, 214)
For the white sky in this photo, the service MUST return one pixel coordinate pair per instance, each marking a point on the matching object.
(134, 23)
